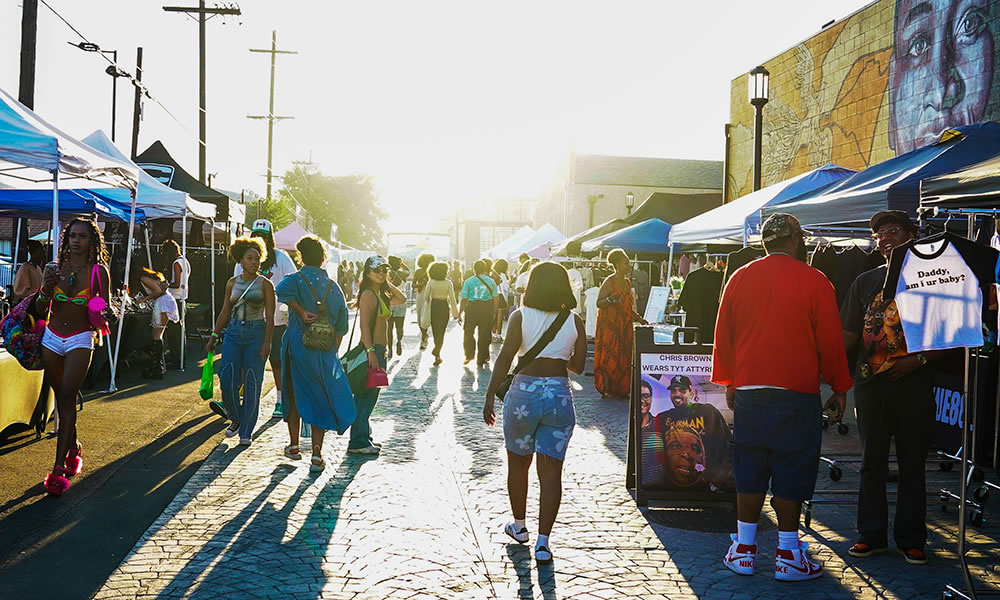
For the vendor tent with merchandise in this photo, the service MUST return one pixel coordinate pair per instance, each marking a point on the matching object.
(518, 238)
(34, 154)
(571, 246)
(647, 237)
(734, 223)
(546, 236)
(893, 184)
(975, 187)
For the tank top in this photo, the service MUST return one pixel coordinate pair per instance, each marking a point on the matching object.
(536, 322)
(251, 308)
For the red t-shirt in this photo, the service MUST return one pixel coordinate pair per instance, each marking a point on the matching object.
(779, 326)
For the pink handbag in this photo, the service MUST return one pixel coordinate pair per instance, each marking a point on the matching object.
(97, 304)
(377, 378)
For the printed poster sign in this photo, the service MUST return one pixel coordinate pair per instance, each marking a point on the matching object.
(684, 425)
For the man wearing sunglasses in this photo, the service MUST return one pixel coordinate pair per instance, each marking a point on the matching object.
(893, 398)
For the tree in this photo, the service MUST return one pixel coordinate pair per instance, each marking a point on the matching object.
(350, 202)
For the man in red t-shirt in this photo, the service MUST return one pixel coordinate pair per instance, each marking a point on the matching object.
(778, 331)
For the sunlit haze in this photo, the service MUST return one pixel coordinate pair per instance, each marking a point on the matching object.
(444, 102)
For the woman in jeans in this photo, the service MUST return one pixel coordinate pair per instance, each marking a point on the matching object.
(375, 297)
(247, 317)
(538, 415)
(315, 383)
(441, 295)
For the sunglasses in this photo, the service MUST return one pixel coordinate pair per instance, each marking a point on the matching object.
(64, 298)
(381, 270)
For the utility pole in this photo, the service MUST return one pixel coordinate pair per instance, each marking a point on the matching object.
(203, 15)
(29, 33)
(271, 118)
(137, 102)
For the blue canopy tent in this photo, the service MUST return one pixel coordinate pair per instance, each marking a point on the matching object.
(37, 204)
(731, 224)
(648, 236)
(893, 184)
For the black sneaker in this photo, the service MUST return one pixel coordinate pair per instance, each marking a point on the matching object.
(218, 408)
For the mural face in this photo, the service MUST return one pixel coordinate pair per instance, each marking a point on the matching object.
(942, 68)
(885, 81)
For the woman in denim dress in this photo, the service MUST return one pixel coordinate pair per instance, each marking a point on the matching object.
(317, 387)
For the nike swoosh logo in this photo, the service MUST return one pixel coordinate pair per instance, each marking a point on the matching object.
(797, 568)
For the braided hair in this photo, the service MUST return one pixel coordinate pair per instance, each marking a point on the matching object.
(98, 254)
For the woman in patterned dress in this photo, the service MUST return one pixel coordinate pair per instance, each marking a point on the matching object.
(616, 313)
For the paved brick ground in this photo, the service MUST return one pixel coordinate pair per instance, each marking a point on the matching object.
(424, 519)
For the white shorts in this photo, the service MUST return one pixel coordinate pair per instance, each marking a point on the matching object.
(63, 345)
(164, 305)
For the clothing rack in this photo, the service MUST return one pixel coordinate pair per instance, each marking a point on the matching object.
(970, 420)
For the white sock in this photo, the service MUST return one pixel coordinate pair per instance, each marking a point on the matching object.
(279, 397)
(519, 525)
(788, 540)
(543, 540)
(746, 533)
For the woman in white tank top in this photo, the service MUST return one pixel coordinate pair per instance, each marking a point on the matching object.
(538, 415)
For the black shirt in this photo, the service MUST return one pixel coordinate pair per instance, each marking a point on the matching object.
(863, 313)
(700, 300)
(741, 257)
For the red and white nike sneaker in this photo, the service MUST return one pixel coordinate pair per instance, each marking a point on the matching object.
(741, 558)
(794, 565)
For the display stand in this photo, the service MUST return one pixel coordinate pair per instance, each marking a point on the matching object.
(679, 434)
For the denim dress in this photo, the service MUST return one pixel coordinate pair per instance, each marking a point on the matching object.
(322, 392)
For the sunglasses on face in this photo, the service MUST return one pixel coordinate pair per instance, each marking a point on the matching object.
(381, 270)
(891, 231)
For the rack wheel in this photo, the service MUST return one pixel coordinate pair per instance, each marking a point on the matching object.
(944, 502)
(977, 474)
(842, 428)
(946, 466)
(947, 595)
(976, 518)
(835, 473)
(807, 519)
(982, 495)
(826, 424)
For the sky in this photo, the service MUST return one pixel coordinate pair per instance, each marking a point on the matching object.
(446, 103)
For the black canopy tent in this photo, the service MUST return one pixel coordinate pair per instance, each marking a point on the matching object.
(571, 246)
(156, 161)
(977, 186)
(673, 207)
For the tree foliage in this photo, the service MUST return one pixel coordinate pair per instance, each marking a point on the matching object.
(350, 202)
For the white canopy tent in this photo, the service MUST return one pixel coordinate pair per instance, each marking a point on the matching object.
(158, 201)
(33, 153)
(545, 235)
(518, 238)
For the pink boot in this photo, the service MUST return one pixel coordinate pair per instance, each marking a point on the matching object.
(74, 461)
(55, 482)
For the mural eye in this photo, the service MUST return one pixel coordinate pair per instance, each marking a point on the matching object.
(970, 25)
(918, 46)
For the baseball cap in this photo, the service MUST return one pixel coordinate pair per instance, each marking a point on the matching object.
(892, 216)
(262, 226)
(375, 262)
(780, 225)
(680, 381)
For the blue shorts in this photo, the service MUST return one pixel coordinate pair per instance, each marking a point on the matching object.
(538, 416)
(776, 440)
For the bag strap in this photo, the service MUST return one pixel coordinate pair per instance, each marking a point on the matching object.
(483, 281)
(542, 342)
(311, 290)
(240, 299)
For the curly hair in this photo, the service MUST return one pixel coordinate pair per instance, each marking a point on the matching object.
(242, 244)
(311, 250)
(616, 256)
(98, 254)
(425, 260)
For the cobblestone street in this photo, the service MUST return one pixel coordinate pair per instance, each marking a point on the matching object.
(424, 519)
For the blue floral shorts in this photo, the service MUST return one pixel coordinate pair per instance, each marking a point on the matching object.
(538, 416)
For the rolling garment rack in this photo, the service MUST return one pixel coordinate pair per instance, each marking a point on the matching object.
(967, 454)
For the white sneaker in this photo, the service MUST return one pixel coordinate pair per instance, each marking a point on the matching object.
(371, 450)
(520, 537)
(741, 558)
(794, 565)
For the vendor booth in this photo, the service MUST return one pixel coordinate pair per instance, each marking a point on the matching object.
(572, 246)
(649, 236)
(35, 156)
(674, 207)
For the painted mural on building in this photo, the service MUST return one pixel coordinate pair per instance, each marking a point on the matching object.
(886, 80)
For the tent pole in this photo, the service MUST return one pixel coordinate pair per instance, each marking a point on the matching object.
(184, 250)
(211, 259)
(670, 271)
(55, 214)
(121, 318)
(17, 247)
(149, 253)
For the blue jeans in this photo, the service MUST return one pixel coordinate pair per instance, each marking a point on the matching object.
(242, 364)
(361, 430)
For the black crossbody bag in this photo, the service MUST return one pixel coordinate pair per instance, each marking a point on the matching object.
(532, 354)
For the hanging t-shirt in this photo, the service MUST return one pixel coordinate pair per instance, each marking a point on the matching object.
(700, 300)
(876, 324)
(740, 258)
(939, 284)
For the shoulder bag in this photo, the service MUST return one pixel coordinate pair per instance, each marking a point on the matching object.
(532, 354)
(488, 288)
(319, 335)
(22, 330)
(355, 360)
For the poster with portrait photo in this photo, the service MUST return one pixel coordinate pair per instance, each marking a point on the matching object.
(684, 425)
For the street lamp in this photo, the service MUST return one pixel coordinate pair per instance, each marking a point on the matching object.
(113, 71)
(629, 202)
(759, 83)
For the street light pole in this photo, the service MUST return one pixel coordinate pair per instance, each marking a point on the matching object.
(113, 71)
(758, 90)
(629, 202)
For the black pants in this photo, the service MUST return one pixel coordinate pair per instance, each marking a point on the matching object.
(903, 410)
(479, 315)
(397, 323)
(439, 322)
(173, 337)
